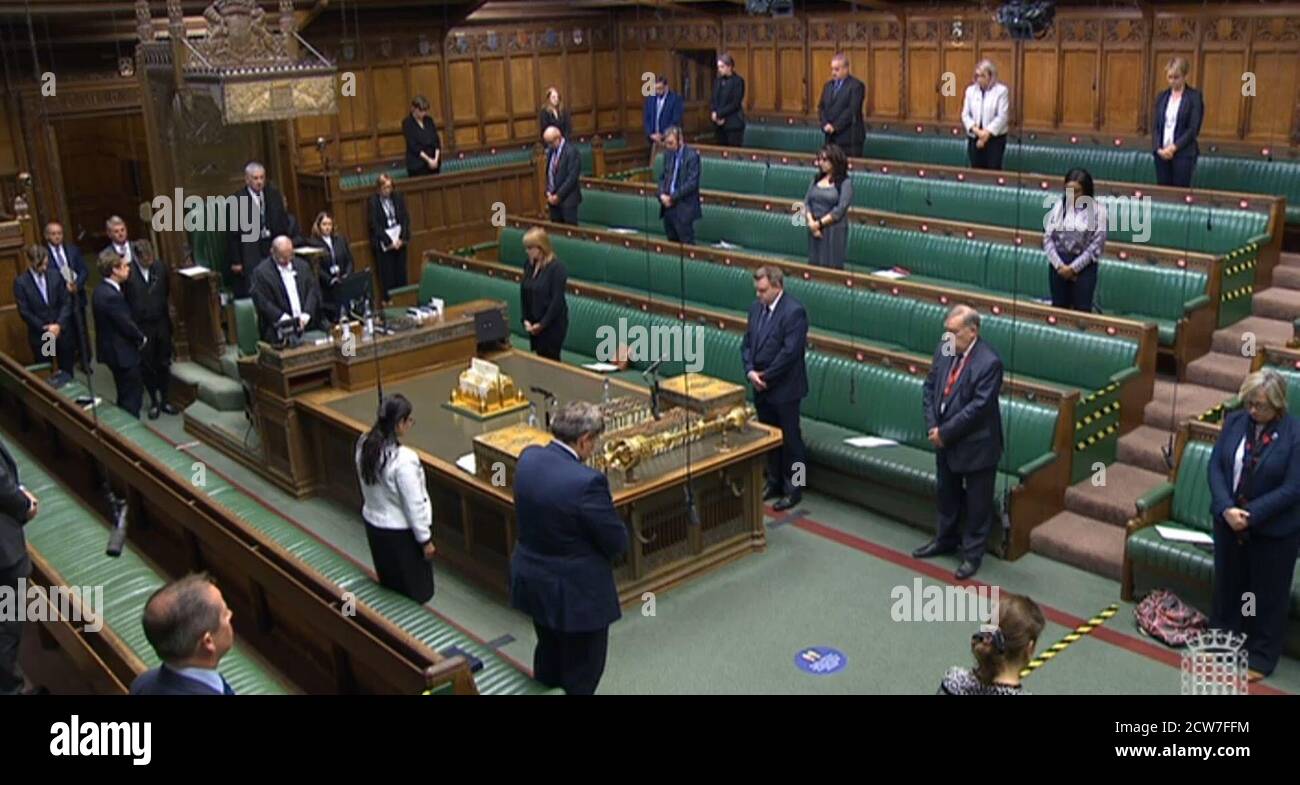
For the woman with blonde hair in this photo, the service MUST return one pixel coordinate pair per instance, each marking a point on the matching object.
(541, 290)
(1255, 503)
(1177, 122)
(553, 112)
(390, 231)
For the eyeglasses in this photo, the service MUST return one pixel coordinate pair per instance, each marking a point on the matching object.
(1259, 406)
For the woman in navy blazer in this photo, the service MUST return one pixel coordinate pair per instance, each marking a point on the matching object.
(1255, 501)
(1177, 123)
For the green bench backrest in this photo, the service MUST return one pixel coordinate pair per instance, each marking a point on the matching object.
(1191, 506)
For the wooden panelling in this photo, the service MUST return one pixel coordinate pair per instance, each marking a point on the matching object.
(1039, 95)
(464, 93)
(426, 80)
(550, 72)
(961, 64)
(761, 81)
(524, 97)
(922, 84)
(792, 82)
(1079, 88)
(492, 89)
(1220, 84)
(392, 99)
(887, 73)
(1122, 99)
(1270, 109)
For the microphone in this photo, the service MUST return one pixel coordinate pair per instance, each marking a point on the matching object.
(542, 391)
(116, 538)
(654, 367)
(692, 512)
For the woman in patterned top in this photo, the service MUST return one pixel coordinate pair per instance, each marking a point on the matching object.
(1001, 651)
(1074, 236)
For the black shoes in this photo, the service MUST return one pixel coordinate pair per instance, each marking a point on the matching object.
(167, 408)
(966, 569)
(931, 548)
(153, 412)
(786, 502)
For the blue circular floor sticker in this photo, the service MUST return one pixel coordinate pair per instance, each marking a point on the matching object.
(820, 660)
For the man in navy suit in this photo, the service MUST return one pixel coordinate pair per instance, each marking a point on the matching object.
(663, 110)
(69, 255)
(1254, 475)
(17, 507)
(773, 354)
(679, 188)
(840, 108)
(46, 307)
(118, 337)
(188, 624)
(964, 423)
(561, 572)
(563, 168)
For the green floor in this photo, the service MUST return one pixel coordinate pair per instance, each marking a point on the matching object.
(737, 629)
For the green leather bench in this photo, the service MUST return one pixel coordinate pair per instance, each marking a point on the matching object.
(1194, 227)
(496, 677)
(70, 538)
(1150, 560)
(1134, 164)
(884, 402)
(1132, 290)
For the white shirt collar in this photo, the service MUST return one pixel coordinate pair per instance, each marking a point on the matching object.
(114, 284)
(572, 451)
(207, 676)
(772, 308)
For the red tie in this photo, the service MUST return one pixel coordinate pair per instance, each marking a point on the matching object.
(954, 374)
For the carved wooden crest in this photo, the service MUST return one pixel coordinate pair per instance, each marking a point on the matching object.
(239, 36)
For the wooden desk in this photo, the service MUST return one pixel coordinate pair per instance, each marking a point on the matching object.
(276, 377)
(474, 520)
(200, 311)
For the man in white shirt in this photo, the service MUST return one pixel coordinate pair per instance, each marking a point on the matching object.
(285, 292)
(986, 113)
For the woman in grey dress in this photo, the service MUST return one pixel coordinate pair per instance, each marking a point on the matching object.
(827, 205)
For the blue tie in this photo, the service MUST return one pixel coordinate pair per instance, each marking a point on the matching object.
(677, 164)
(226, 689)
(838, 82)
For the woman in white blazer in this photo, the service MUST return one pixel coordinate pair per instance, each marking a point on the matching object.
(396, 508)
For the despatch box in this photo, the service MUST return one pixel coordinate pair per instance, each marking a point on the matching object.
(700, 393)
(504, 446)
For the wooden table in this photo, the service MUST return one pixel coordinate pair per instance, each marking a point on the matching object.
(474, 523)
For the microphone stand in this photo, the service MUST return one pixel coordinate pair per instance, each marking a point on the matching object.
(374, 344)
(548, 402)
(651, 375)
(117, 506)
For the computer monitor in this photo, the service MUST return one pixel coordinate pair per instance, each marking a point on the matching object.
(355, 288)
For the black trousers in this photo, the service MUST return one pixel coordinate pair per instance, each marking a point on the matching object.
(562, 214)
(64, 349)
(549, 343)
(851, 149)
(81, 337)
(991, 156)
(1075, 295)
(970, 493)
(782, 463)
(679, 229)
(1262, 566)
(574, 661)
(1177, 172)
(392, 271)
(11, 633)
(156, 360)
(399, 562)
(130, 389)
(731, 137)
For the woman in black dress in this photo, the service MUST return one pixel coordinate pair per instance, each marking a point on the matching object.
(423, 147)
(554, 113)
(390, 231)
(546, 313)
(334, 266)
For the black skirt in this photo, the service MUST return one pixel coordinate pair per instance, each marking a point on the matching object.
(399, 560)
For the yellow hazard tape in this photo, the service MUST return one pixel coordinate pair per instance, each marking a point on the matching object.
(1071, 637)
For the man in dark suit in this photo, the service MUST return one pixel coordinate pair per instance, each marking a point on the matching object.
(662, 111)
(147, 292)
(960, 398)
(284, 291)
(679, 188)
(17, 507)
(69, 255)
(265, 204)
(119, 340)
(773, 354)
(840, 108)
(45, 305)
(563, 168)
(727, 107)
(188, 624)
(561, 572)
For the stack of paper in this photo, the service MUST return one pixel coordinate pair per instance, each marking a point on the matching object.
(1184, 535)
(870, 441)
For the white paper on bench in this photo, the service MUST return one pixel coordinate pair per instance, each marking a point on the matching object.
(600, 367)
(467, 463)
(194, 271)
(726, 246)
(621, 230)
(870, 441)
(1184, 535)
(889, 273)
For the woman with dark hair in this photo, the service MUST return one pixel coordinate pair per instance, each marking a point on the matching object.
(335, 264)
(390, 231)
(1074, 236)
(1001, 650)
(423, 147)
(554, 113)
(727, 107)
(396, 509)
(1255, 502)
(826, 208)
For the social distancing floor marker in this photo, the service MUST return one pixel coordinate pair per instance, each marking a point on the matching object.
(1070, 637)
